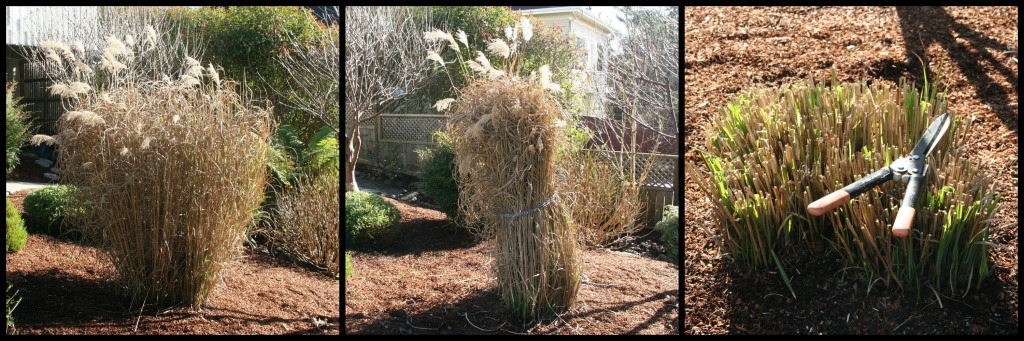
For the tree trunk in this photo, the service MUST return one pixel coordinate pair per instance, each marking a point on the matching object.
(351, 156)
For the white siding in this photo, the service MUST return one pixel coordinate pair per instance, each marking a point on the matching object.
(23, 22)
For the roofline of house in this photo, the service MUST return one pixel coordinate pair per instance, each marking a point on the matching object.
(579, 11)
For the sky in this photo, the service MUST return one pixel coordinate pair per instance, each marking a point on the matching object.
(608, 14)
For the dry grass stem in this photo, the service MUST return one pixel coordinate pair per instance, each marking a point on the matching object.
(168, 203)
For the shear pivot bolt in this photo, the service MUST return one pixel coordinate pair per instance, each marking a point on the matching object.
(914, 170)
(915, 157)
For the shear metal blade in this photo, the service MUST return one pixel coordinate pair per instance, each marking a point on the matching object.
(932, 136)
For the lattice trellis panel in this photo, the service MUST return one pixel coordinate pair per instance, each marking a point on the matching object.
(409, 128)
(661, 173)
(348, 123)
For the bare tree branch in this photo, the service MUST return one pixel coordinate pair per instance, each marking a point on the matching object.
(385, 59)
(644, 75)
(314, 88)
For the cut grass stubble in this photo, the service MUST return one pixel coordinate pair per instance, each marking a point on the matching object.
(773, 151)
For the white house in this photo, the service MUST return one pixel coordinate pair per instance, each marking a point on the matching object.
(592, 34)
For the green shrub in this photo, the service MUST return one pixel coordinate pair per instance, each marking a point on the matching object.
(247, 38)
(47, 208)
(669, 227)
(437, 176)
(369, 220)
(12, 303)
(771, 152)
(16, 233)
(291, 159)
(348, 265)
(17, 128)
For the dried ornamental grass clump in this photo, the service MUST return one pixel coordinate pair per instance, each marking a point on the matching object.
(173, 175)
(510, 132)
(774, 151)
(309, 216)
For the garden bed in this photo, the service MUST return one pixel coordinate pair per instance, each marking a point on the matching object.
(69, 289)
(435, 279)
(736, 48)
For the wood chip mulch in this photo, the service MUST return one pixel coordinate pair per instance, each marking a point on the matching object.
(730, 49)
(67, 288)
(435, 279)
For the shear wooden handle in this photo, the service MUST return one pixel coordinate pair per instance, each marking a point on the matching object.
(904, 218)
(828, 203)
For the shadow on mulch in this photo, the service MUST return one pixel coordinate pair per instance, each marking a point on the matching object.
(478, 307)
(417, 234)
(63, 294)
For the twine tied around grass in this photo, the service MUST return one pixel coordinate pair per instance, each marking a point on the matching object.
(530, 211)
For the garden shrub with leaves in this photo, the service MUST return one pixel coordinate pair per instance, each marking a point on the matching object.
(290, 158)
(245, 40)
(669, 228)
(17, 127)
(17, 235)
(369, 220)
(47, 208)
(437, 176)
(771, 152)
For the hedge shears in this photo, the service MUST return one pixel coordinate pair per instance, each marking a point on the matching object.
(910, 169)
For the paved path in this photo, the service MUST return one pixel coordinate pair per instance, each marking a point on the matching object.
(14, 186)
(369, 185)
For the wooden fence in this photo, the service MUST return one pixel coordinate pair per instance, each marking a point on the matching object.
(399, 136)
(33, 87)
(658, 188)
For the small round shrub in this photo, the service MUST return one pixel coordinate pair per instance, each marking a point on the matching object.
(16, 233)
(348, 265)
(46, 208)
(369, 220)
(669, 227)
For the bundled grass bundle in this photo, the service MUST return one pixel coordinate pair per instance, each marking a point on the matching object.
(774, 151)
(510, 131)
(171, 175)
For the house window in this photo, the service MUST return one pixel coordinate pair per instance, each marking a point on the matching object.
(601, 54)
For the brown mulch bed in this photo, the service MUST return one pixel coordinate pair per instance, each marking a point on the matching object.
(435, 279)
(67, 288)
(729, 49)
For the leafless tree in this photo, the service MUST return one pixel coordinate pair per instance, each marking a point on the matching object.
(644, 76)
(314, 69)
(385, 58)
